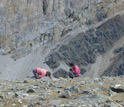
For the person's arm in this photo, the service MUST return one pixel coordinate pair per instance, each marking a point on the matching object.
(41, 76)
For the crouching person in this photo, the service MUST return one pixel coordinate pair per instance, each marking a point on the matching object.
(74, 71)
(40, 73)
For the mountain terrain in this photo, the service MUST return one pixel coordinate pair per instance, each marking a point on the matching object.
(52, 33)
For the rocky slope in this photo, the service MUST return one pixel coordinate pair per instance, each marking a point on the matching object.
(78, 92)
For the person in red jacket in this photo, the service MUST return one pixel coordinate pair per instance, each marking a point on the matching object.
(40, 73)
(74, 71)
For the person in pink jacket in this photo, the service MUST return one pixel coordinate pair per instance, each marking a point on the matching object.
(74, 71)
(40, 73)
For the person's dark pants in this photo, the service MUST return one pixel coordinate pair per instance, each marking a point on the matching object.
(36, 76)
(73, 75)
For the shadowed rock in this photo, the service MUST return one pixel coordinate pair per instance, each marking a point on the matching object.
(117, 89)
(31, 91)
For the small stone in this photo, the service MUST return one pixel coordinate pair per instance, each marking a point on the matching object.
(52, 85)
(25, 95)
(14, 104)
(58, 91)
(83, 83)
(66, 94)
(31, 105)
(35, 87)
(86, 92)
(30, 91)
(96, 80)
(1, 97)
(25, 81)
(20, 101)
(42, 98)
(16, 95)
(117, 85)
(75, 89)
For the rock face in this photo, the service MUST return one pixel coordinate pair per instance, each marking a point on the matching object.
(68, 30)
(27, 23)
